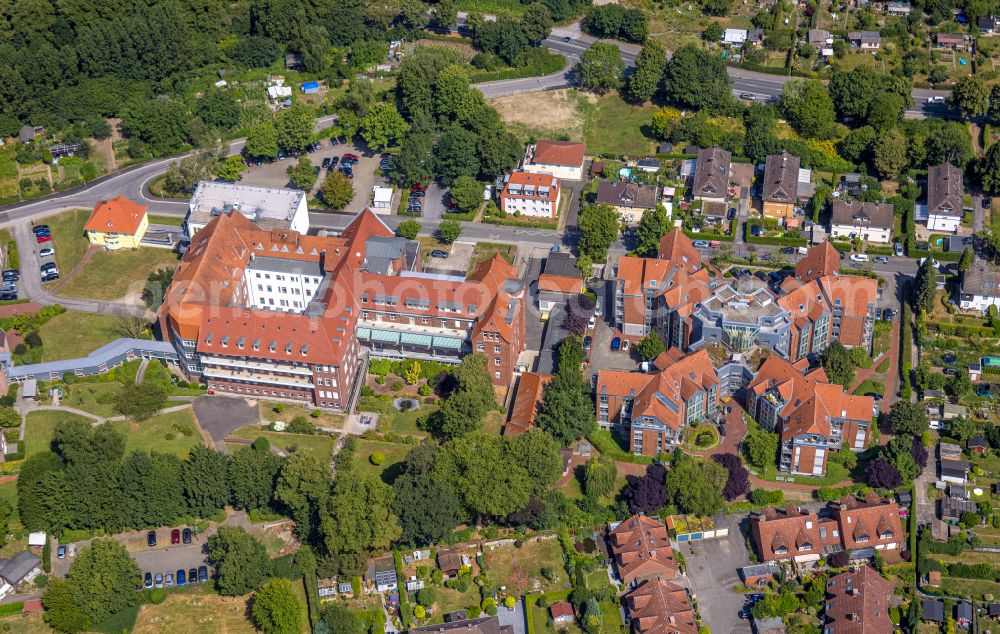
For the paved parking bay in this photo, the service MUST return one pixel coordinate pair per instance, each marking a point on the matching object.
(173, 558)
(220, 415)
(712, 566)
(602, 357)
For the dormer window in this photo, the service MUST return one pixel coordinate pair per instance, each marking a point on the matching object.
(781, 551)
(886, 535)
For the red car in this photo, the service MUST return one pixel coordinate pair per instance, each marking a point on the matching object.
(417, 188)
(43, 238)
(175, 536)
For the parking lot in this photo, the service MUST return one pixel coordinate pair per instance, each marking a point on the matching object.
(602, 357)
(712, 566)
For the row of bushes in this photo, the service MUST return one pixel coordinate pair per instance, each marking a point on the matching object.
(958, 330)
(512, 221)
(831, 494)
(781, 242)
(906, 344)
(698, 235)
(534, 63)
(945, 256)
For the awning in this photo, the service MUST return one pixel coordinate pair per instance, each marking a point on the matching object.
(363, 333)
(412, 339)
(448, 343)
(385, 336)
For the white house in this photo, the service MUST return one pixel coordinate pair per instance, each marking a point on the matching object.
(267, 207)
(944, 198)
(381, 199)
(562, 159)
(980, 287)
(735, 37)
(871, 222)
(535, 195)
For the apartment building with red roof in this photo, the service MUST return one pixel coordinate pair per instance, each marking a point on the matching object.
(857, 602)
(656, 606)
(812, 416)
(640, 547)
(533, 195)
(562, 159)
(280, 314)
(799, 535)
(655, 409)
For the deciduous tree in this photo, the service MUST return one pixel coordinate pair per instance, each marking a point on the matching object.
(206, 481)
(599, 226)
(448, 231)
(907, 418)
(467, 193)
(599, 475)
(645, 79)
(650, 347)
(294, 127)
(808, 107)
(337, 190)
(408, 229)
(601, 68)
(382, 126)
(239, 559)
(276, 609)
(103, 578)
(695, 485)
(971, 96)
(890, 153)
(252, 477)
(140, 402)
(696, 78)
(359, 516)
(836, 361)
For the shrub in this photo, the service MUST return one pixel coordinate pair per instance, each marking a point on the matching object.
(767, 497)
(376, 458)
(157, 596)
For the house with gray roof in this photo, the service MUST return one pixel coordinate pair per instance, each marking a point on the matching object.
(945, 191)
(980, 287)
(23, 566)
(711, 174)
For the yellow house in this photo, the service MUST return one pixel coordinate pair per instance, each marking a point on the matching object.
(118, 223)
(780, 186)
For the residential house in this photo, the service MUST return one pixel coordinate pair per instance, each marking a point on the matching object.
(820, 38)
(116, 224)
(266, 207)
(954, 41)
(979, 287)
(993, 610)
(449, 562)
(659, 294)
(902, 9)
(780, 186)
(734, 37)
(526, 403)
(655, 409)
(659, 607)
(978, 444)
(739, 315)
(988, 25)
(954, 471)
(630, 200)
(532, 195)
(811, 415)
(850, 301)
(963, 614)
(821, 261)
(944, 198)
(755, 37)
(679, 251)
(865, 40)
(560, 159)
(789, 533)
(711, 175)
(648, 165)
(933, 611)
(381, 575)
(857, 601)
(21, 568)
(481, 625)
(872, 222)
(869, 523)
(29, 133)
(641, 550)
(561, 613)
(560, 282)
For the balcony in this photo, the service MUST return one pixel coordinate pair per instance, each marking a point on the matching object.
(256, 377)
(257, 365)
(402, 326)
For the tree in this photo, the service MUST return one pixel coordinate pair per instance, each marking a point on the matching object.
(898, 453)
(206, 485)
(9, 417)
(538, 454)
(567, 411)
(536, 23)
(337, 190)
(907, 418)
(652, 226)
(428, 508)
(647, 493)
(302, 175)
(140, 402)
(599, 475)
(695, 485)
(645, 79)
(252, 476)
(103, 578)
(232, 168)
(962, 428)
(262, 141)
(760, 447)
(924, 287)
(836, 362)
(448, 231)
(738, 480)
(415, 160)
(255, 52)
(359, 516)
(881, 474)
(958, 384)
(408, 229)
(276, 608)
(965, 262)
(219, 109)
(601, 68)
(239, 559)
(61, 611)
(472, 397)
(467, 193)
(971, 96)
(696, 78)
(294, 127)
(776, 605)
(182, 176)
(599, 226)
(857, 145)
(988, 169)
(890, 153)
(457, 154)
(382, 126)
(808, 107)
(445, 14)
(340, 620)
(482, 471)
(302, 487)
(650, 347)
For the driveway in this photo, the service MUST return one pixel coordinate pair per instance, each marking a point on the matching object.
(513, 617)
(602, 357)
(712, 566)
(221, 415)
(457, 262)
(435, 202)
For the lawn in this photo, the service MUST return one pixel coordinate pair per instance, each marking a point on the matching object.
(406, 422)
(615, 127)
(975, 588)
(291, 410)
(486, 250)
(68, 239)
(174, 433)
(318, 445)
(520, 568)
(31, 624)
(393, 455)
(41, 426)
(869, 385)
(450, 599)
(96, 398)
(8, 491)
(169, 221)
(114, 274)
(72, 334)
(10, 189)
(511, 7)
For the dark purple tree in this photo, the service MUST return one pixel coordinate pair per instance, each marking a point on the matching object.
(738, 483)
(881, 474)
(575, 323)
(579, 309)
(918, 452)
(648, 493)
(527, 516)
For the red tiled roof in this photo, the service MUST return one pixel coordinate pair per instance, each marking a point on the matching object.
(641, 548)
(565, 153)
(526, 402)
(821, 260)
(559, 283)
(562, 608)
(786, 533)
(869, 522)
(858, 602)
(537, 180)
(678, 249)
(118, 215)
(659, 607)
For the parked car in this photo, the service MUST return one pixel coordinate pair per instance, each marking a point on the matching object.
(159, 580)
(48, 266)
(418, 188)
(151, 539)
(170, 579)
(714, 244)
(61, 552)
(936, 99)
(147, 580)
(732, 213)
(46, 252)
(934, 263)
(186, 536)
(567, 39)
(438, 253)
(50, 277)
(881, 259)
(700, 244)
(746, 95)
(592, 323)
(859, 257)
(417, 193)
(175, 536)
(12, 274)
(616, 343)
(181, 577)
(43, 237)
(987, 201)
(587, 342)
(202, 574)
(193, 575)
(41, 228)
(71, 550)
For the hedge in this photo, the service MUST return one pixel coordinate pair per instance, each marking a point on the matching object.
(539, 63)
(906, 345)
(782, 242)
(946, 256)
(721, 237)
(10, 609)
(13, 257)
(311, 584)
(879, 250)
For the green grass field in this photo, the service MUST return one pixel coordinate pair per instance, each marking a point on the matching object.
(169, 221)
(10, 189)
(318, 445)
(73, 334)
(68, 239)
(41, 426)
(174, 433)
(85, 396)
(114, 274)
(393, 453)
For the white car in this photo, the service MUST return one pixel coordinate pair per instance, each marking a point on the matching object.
(936, 99)
(592, 323)
(859, 257)
(934, 262)
(46, 252)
